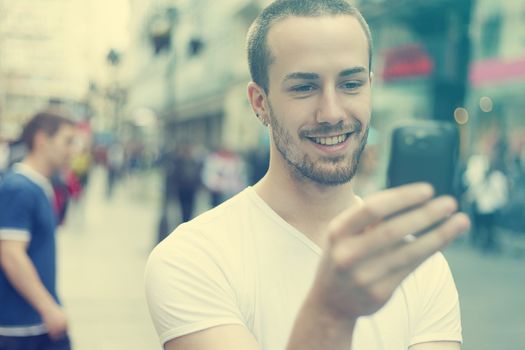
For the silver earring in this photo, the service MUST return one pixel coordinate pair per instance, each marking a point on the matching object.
(265, 123)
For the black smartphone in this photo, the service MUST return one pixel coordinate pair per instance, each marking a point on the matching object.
(425, 151)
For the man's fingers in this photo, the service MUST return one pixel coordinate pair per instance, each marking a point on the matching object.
(378, 207)
(439, 237)
(401, 257)
(390, 232)
(407, 257)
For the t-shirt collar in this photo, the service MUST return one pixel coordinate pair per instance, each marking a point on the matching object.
(36, 177)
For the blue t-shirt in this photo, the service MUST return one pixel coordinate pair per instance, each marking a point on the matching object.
(26, 213)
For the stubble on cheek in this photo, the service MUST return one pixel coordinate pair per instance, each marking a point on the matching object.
(325, 170)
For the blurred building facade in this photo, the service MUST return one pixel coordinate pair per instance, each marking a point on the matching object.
(143, 73)
(43, 58)
(195, 66)
(211, 75)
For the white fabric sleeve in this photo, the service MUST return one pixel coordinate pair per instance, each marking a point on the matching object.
(187, 289)
(438, 317)
(15, 235)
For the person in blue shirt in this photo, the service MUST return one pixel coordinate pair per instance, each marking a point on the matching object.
(31, 316)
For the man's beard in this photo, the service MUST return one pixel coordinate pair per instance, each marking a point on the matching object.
(304, 167)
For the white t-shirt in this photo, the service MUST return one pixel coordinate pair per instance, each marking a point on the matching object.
(241, 263)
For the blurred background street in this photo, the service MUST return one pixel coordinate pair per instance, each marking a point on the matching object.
(164, 131)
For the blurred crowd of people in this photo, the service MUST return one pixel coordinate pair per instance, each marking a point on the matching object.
(186, 169)
(494, 187)
(189, 168)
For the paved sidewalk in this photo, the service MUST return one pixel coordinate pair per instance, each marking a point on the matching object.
(492, 295)
(102, 250)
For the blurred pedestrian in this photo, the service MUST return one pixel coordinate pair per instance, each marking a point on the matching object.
(62, 195)
(224, 174)
(488, 192)
(31, 316)
(66, 187)
(114, 166)
(186, 176)
(258, 160)
(513, 217)
(81, 165)
(298, 261)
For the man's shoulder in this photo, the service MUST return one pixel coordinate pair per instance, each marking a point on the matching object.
(211, 246)
(431, 274)
(16, 184)
(433, 263)
(217, 223)
(228, 213)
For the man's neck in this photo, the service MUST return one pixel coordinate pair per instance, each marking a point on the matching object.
(38, 165)
(307, 206)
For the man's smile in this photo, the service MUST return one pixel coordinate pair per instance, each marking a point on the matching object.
(330, 140)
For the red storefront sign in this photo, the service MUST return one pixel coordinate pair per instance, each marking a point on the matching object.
(406, 61)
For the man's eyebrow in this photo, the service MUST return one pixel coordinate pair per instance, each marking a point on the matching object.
(314, 76)
(352, 71)
(301, 75)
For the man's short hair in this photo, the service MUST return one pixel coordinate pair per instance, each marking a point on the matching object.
(47, 121)
(259, 55)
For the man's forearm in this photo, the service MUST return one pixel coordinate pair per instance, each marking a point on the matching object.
(317, 330)
(23, 276)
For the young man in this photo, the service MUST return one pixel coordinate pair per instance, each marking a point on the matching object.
(298, 261)
(30, 313)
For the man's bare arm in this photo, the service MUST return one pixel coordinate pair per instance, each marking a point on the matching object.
(441, 345)
(217, 338)
(23, 276)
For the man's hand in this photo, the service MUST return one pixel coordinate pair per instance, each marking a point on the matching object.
(55, 321)
(368, 253)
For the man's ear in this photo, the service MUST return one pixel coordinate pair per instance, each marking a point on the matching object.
(259, 102)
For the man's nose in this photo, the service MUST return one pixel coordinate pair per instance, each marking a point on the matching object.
(330, 107)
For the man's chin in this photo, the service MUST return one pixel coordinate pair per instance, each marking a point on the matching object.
(330, 178)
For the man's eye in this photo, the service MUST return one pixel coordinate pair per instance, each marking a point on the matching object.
(351, 85)
(302, 88)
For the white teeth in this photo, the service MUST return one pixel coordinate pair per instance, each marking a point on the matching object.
(330, 141)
